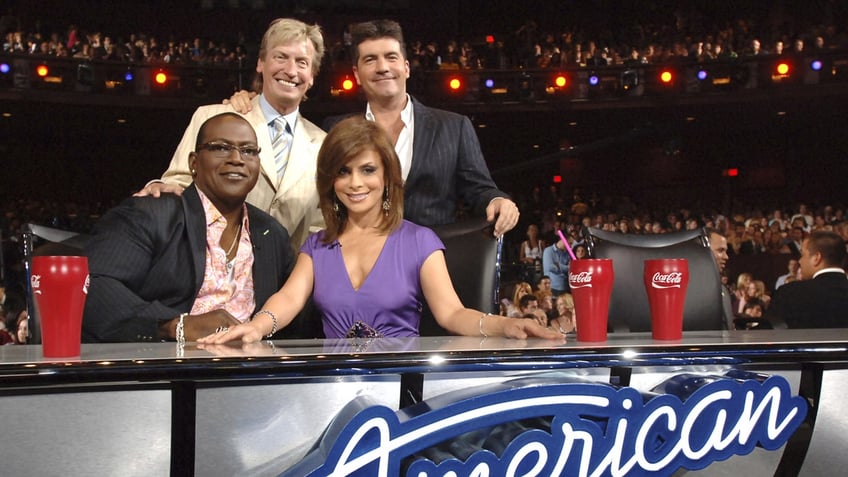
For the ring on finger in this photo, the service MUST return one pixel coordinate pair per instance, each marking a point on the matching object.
(221, 329)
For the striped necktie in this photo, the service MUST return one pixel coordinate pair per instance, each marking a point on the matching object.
(282, 143)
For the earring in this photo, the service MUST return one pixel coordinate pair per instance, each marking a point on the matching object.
(193, 172)
(335, 206)
(387, 204)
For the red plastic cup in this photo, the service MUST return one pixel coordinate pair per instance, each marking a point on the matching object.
(60, 285)
(591, 280)
(666, 281)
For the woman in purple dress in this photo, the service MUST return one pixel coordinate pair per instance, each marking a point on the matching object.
(370, 270)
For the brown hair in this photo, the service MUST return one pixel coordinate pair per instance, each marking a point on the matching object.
(374, 30)
(346, 140)
(284, 30)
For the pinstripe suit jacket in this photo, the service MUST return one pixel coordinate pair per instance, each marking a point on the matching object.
(147, 258)
(447, 165)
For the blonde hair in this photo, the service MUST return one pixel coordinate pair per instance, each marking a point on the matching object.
(519, 287)
(285, 30)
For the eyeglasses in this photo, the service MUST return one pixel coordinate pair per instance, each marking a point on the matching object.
(223, 150)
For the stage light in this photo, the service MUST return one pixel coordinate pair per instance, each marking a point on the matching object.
(557, 179)
(455, 84)
(730, 172)
(816, 65)
(160, 78)
(128, 76)
(490, 38)
(703, 74)
(667, 76)
(42, 70)
(594, 80)
(490, 83)
(5, 68)
(347, 84)
(561, 81)
(782, 68)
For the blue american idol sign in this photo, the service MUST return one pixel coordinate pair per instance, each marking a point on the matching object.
(530, 427)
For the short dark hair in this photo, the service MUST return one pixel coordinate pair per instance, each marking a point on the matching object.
(373, 30)
(526, 299)
(830, 245)
(201, 133)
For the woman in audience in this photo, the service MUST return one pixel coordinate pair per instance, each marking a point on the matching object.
(369, 270)
(520, 289)
(564, 321)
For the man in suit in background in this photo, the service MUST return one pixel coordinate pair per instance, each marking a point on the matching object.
(820, 298)
(194, 262)
(439, 151)
(289, 59)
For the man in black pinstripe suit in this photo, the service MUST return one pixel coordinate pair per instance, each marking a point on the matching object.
(439, 151)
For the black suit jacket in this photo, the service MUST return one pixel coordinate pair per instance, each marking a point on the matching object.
(818, 303)
(447, 165)
(147, 258)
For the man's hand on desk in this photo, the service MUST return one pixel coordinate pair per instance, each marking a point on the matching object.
(198, 326)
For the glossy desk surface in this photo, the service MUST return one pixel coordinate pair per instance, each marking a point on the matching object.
(143, 361)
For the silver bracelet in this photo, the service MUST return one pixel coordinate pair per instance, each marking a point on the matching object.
(273, 320)
(181, 329)
(480, 324)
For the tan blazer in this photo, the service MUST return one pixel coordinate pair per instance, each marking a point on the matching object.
(293, 201)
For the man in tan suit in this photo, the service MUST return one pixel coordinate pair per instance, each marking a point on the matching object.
(289, 58)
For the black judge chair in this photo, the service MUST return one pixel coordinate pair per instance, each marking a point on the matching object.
(629, 309)
(473, 257)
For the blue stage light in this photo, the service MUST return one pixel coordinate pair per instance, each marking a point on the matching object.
(816, 65)
(490, 83)
(594, 80)
(5, 68)
(702, 75)
(128, 76)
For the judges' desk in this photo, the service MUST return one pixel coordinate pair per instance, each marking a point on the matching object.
(718, 403)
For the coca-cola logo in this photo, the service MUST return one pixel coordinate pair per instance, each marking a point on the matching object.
(580, 280)
(667, 280)
(35, 282)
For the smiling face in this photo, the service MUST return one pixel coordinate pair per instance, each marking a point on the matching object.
(225, 176)
(360, 183)
(381, 69)
(287, 74)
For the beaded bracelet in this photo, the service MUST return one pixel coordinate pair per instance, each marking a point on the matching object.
(273, 320)
(483, 333)
(181, 329)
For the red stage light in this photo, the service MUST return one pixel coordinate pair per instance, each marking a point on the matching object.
(42, 70)
(557, 179)
(561, 81)
(160, 78)
(490, 38)
(782, 68)
(454, 84)
(666, 76)
(347, 84)
(733, 172)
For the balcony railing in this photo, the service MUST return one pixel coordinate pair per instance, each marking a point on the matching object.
(24, 76)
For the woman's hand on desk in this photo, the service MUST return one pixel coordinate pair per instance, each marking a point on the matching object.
(246, 332)
(521, 328)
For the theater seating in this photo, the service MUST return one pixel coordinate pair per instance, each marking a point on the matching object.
(629, 309)
(473, 258)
